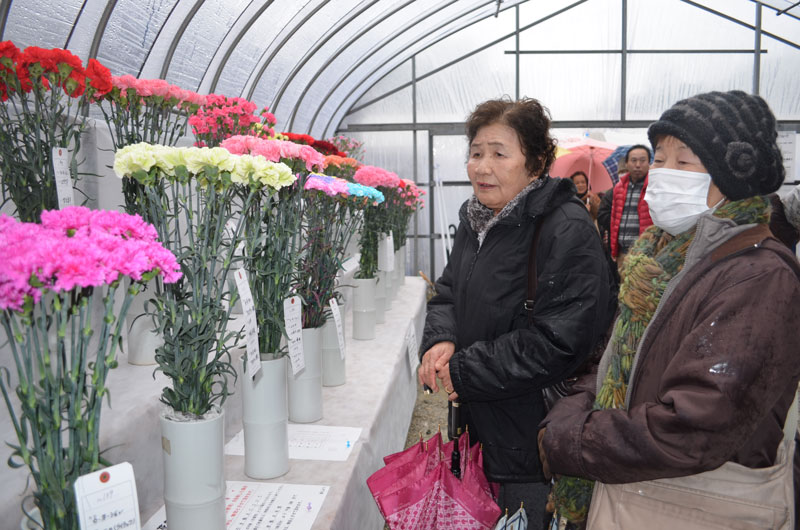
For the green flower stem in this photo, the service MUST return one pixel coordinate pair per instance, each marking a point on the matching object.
(60, 392)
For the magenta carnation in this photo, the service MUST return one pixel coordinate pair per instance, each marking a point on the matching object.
(77, 248)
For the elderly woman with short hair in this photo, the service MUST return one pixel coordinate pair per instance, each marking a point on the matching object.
(491, 350)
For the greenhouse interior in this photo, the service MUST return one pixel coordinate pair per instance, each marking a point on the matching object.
(238, 242)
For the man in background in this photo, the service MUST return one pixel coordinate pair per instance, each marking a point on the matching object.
(630, 215)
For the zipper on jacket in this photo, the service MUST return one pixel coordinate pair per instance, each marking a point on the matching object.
(472, 264)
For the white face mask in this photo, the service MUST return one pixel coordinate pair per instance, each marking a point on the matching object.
(676, 198)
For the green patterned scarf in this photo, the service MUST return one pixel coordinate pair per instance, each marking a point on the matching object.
(653, 261)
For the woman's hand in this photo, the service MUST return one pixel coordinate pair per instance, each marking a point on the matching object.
(447, 383)
(427, 370)
(543, 456)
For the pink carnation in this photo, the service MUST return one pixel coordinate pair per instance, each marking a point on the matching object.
(77, 248)
(376, 176)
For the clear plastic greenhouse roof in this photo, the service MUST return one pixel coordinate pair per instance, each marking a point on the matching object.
(320, 63)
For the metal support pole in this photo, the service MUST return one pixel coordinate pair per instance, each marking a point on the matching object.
(757, 52)
(431, 207)
(624, 63)
(415, 157)
(516, 49)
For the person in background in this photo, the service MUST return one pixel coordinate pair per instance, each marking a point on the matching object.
(629, 213)
(780, 223)
(588, 197)
(702, 365)
(492, 351)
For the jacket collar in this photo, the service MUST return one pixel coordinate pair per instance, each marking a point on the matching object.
(538, 198)
(711, 232)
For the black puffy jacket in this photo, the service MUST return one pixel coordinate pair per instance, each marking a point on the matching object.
(502, 360)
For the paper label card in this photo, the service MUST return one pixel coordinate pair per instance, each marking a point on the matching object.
(107, 499)
(788, 144)
(250, 323)
(337, 320)
(386, 254)
(63, 177)
(294, 332)
(310, 442)
(412, 348)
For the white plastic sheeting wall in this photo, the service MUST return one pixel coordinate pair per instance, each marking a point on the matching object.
(576, 86)
(325, 65)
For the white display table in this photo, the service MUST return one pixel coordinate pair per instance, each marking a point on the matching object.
(378, 397)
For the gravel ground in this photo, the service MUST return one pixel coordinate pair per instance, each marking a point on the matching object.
(429, 413)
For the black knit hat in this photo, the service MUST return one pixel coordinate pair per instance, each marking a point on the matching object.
(734, 134)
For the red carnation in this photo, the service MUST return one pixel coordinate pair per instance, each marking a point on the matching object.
(34, 54)
(99, 78)
(75, 84)
(7, 49)
(327, 148)
(67, 57)
(299, 138)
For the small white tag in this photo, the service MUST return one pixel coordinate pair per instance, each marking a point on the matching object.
(107, 499)
(63, 177)
(412, 349)
(386, 254)
(294, 332)
(230, 234)
(250, 323)
(337, 319)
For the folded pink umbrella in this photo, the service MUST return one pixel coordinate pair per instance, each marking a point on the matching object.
(417, 489)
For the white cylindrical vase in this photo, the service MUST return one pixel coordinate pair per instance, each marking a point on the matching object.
(400, 266)
(194, 479)
(333, 364)
(388, 277)
(305, 388)
(266, 418)
(364, 311)
(380, 298)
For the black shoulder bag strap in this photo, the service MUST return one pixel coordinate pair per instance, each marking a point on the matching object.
(533, 278)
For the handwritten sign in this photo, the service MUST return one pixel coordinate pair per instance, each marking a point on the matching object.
(250, 323)
(412, 349)
(267, 506)
(63, 177)
(294, 332)
(788, 144)
(108, 499)
(337, 319)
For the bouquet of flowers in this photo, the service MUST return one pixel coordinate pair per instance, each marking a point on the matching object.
(332, 214)
(323, 146)
(52, 276)
(300, 157)
(338, 166)
(44, 93)
(350, 146)
(273, 233)
(221, 117)
(377, 220)
(408, 201)
(205, 188)
(146, 110)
